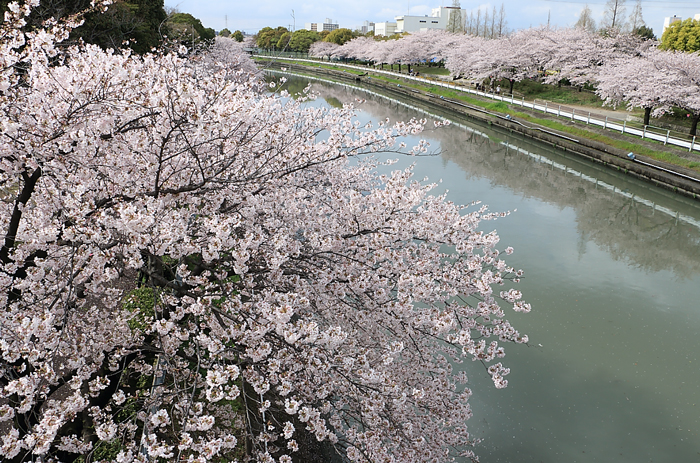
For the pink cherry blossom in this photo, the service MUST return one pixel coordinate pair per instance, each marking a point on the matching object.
(179, 245)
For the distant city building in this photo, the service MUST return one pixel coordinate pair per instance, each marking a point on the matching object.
(439, 19)
(385, 29)
(675, 19)
(669, 21)
(367, 27)
(327, 25)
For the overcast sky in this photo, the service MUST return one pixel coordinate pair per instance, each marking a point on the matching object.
(252, 15)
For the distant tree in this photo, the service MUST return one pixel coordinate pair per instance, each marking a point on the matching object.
(645, 32)
(225, 33)
(682, 36)
(454, 20)
(636, 20)
(324, 34)
(476, 23)
(302, 39)
(188, 29)
(238, 36)
(585, 20)
(614, 15)
(485, 28)
(283, 42)
(340, 36)
(268, 38)
(501, 22)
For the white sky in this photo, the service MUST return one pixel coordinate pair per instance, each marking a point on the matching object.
(252, 15)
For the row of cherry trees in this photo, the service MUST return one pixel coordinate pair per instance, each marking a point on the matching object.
(624, 68)
(191, 268)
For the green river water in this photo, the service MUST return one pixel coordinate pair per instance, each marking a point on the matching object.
(612, 270)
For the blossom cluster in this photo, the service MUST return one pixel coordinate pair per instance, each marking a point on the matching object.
(179, 246)
(623, 68)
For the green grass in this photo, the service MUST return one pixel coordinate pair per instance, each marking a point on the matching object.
(497, 106)
(620, 144)
(561, 95)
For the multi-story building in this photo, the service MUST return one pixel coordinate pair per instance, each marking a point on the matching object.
(327, 25)
(385, 28)
(675, 19)
(439, 19)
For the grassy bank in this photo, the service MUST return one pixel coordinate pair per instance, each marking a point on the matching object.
(649, 148)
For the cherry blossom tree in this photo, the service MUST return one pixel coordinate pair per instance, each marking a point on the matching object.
(192, 269)
(578, 55)
(637, 81)
(682, 72)
(654, 80)
(360, 48)
(322, 49)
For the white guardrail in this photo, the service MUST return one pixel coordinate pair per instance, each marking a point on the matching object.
(571, 114)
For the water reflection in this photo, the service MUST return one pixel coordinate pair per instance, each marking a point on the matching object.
(650, 229)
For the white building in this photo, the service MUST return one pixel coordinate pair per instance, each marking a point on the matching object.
(327, 25)
(675, 19)
(385, 28)
(439, 19)
(418, 23)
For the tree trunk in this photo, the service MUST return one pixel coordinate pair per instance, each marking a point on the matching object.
(647, 115)
(694, 125)
(512, 82)
(399, 68)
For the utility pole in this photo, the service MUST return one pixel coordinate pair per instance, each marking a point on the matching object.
(226, 21)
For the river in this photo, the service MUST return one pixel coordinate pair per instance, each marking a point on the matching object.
(612, 270)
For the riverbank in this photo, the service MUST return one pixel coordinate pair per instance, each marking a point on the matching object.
(664, 166)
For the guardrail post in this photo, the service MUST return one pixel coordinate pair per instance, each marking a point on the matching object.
(667, 135)
(522, 103)
(644, 133)
(624, 125)
(573, 113)
(511, 98)
(589, 118)
(559, 111)
(545, 106)
(692, 145)
(606, 123)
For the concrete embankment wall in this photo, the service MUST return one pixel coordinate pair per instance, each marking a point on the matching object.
(677, 179)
